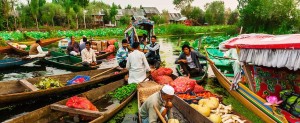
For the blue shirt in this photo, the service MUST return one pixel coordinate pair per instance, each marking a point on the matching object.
(122, 54)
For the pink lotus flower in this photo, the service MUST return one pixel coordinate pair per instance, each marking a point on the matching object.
(272, 100)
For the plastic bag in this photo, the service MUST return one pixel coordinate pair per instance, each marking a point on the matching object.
(78, 79)
(80, 103)
(198, 89)
(184, 84)
(161, 72)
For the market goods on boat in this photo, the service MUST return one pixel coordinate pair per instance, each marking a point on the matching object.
(14, 62)
(267, 75)
(47, 83)
(146, 89)
(93, 106)
(17, 90)
(99, 56)
(25, 49)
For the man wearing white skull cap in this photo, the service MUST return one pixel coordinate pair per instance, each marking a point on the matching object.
(162, 101)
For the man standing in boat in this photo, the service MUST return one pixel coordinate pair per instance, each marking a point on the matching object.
(122, 54)
(153, 56)
(189, 61)
(137, 65)
(36, 50)
(88, 56)
(162, 101)
(73, 47)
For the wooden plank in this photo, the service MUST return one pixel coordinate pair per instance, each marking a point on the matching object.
(28, 85)
(64, 108)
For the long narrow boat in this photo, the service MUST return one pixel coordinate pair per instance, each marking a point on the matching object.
(5, 49)
(17, 90)
(217, 56)
(26, 51)
(68, 62)
(146, 89)
(13, 62)
(58, 111)
(244, 94)
(98, 57)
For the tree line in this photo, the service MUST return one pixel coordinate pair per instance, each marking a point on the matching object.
(268, 16)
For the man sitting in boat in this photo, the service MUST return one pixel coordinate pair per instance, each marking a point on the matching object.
(137, 65)
(232, 54)
(73, 47)
(88, 56)
(122, 54)
(153, 56)
(189, 61)
(162, 101)
(82, 40)
(36, 50)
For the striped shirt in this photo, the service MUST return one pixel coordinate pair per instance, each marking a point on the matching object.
(122, 54)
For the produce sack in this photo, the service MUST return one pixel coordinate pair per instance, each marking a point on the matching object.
(198, 88)
(184, 84)
(78, 79)
(80, 103)
(160, 72)
(291, 102)
(164, 80)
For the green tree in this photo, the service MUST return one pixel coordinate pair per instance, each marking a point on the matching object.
(233, 18)
(6, 8)
(271, 16)
(34, 8)
(119, 6)
(113, 11)
(128, 6)
(193, 13)
(125, 20)
(214, 12)
(181, 4)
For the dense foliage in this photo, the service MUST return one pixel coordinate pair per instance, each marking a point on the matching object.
(270, 16)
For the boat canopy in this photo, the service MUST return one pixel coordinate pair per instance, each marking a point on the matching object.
(268, 50)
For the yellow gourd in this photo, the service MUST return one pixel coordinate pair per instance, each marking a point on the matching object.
(173, 121)
(215, 118)
(205, 111)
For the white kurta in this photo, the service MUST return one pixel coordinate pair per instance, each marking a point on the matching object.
(138, 66)
(40, 54)
(88, 55)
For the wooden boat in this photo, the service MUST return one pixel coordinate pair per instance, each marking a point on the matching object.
(58, 111)
(5, 49)
(245, 95)
(68, 62)
(146, 89)
(224, 64)
(17, 90)
(26, 51)
(13, 62)
(101, 55)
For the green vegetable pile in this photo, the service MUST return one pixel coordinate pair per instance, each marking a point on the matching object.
(47, 83)
(123, 92)
(131, 108)
(214, 41)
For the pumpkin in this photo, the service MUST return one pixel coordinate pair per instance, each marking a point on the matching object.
(215, 118)
(194, 105)
(173, 121)
(205, 111)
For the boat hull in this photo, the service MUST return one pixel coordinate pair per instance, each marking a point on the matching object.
(12, 62)
(13, 91)
(247, 98)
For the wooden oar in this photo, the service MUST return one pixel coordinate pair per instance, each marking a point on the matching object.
(102, 72)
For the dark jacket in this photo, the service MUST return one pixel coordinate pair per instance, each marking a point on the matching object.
(195, 56)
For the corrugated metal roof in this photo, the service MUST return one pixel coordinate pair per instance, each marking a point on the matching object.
(174, 16)
(151, 10)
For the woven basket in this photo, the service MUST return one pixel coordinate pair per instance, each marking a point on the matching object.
(146, 89)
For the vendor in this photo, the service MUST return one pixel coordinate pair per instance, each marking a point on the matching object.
(36, 50)
(189, 61)
(162, 100)
(88, 56)
(73, 47)
(122, 54)
(153, 56)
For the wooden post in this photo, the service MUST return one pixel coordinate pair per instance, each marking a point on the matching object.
(178, 43)
(248, 76)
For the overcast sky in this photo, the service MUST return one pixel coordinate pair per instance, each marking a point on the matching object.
(163, 4)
